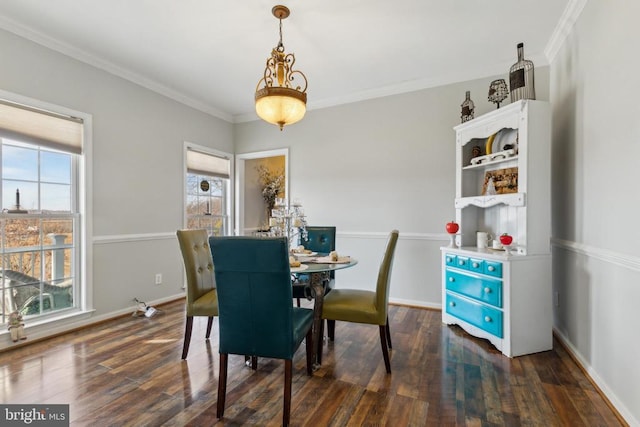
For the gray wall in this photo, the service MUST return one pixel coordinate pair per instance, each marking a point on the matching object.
(373, 166)
(596, 150)
(137, 190)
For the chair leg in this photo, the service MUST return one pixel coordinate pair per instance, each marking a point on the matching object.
(385, 351)
(331, 329)
(309, 347)
(388, 334)
(222, 384)
(298, 300)
(209, 324)
(187, 336)
(288, 373)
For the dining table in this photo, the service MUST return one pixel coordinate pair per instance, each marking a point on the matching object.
(319, 268)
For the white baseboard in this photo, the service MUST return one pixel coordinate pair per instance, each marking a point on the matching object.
(593, 374)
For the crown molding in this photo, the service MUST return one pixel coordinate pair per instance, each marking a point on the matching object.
(109, 67)
(563, 28)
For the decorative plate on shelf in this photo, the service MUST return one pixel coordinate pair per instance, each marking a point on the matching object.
(505, 138)
(488, 147)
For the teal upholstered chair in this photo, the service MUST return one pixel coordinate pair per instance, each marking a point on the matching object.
(202, 299)
(361, 306)
(321, 239)
(254, 301)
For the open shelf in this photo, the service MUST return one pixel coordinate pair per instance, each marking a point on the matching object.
(493, 159)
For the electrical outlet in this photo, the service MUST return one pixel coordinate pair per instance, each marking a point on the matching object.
(159, 279)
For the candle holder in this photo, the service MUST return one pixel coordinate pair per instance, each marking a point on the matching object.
(289, 221)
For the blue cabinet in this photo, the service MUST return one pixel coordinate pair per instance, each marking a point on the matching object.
(473, 291)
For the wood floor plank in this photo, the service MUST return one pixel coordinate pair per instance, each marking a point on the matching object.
(128, 372)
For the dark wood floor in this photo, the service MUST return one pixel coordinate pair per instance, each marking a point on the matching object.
(128, 372)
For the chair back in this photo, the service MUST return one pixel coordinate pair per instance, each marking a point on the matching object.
(320, 239)
(198, 265)
(384, 277)
(254, 296)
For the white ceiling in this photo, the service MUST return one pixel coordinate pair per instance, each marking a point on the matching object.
(210, 54)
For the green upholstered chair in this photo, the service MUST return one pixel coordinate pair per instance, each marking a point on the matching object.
(202, 299)
(254, 300)
(321, 239)
(360, 306)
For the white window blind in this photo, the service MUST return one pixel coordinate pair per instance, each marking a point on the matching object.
(40, 127)
(207, 164)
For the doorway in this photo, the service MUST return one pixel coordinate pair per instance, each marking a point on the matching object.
(251, 208)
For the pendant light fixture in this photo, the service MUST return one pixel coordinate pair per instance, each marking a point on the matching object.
(281, 100)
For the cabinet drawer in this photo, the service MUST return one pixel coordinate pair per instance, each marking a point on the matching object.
(462, 262)
(493, 268)
(480, 288)
(477, 265)
(450, 260)
(478, 314)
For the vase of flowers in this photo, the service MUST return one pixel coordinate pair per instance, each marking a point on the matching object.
(272, 185)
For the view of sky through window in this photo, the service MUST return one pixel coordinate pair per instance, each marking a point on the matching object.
(42, 176)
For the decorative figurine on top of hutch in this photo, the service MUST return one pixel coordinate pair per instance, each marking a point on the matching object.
(521, 78)
(502, 292)
(467, 108)
(498, 92)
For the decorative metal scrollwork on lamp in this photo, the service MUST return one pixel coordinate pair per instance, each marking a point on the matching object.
(281, 100)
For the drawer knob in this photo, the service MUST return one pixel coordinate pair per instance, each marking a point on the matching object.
(475, 265)
(487, 319)
(452, 304)
(461, 262)
(487, 290)
(491, 268)
(451, 279)
(448, 259)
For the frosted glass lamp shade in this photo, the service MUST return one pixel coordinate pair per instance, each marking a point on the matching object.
(280, 105)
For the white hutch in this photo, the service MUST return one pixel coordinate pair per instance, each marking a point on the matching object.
(503, 184)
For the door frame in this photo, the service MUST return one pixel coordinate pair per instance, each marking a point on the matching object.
(240, 160)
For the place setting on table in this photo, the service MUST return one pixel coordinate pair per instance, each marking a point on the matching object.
(301, 258)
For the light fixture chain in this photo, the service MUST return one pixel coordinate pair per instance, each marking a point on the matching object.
(280, 45)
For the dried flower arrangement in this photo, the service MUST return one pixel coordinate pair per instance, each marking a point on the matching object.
(272, 185)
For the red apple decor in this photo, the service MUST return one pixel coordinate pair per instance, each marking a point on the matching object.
(452, 228)
(506, 240)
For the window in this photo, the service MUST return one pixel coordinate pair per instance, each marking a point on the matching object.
(40, 230)
(207, 192)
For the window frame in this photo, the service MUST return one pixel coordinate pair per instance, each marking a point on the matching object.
(228, 192)
(81, 199)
